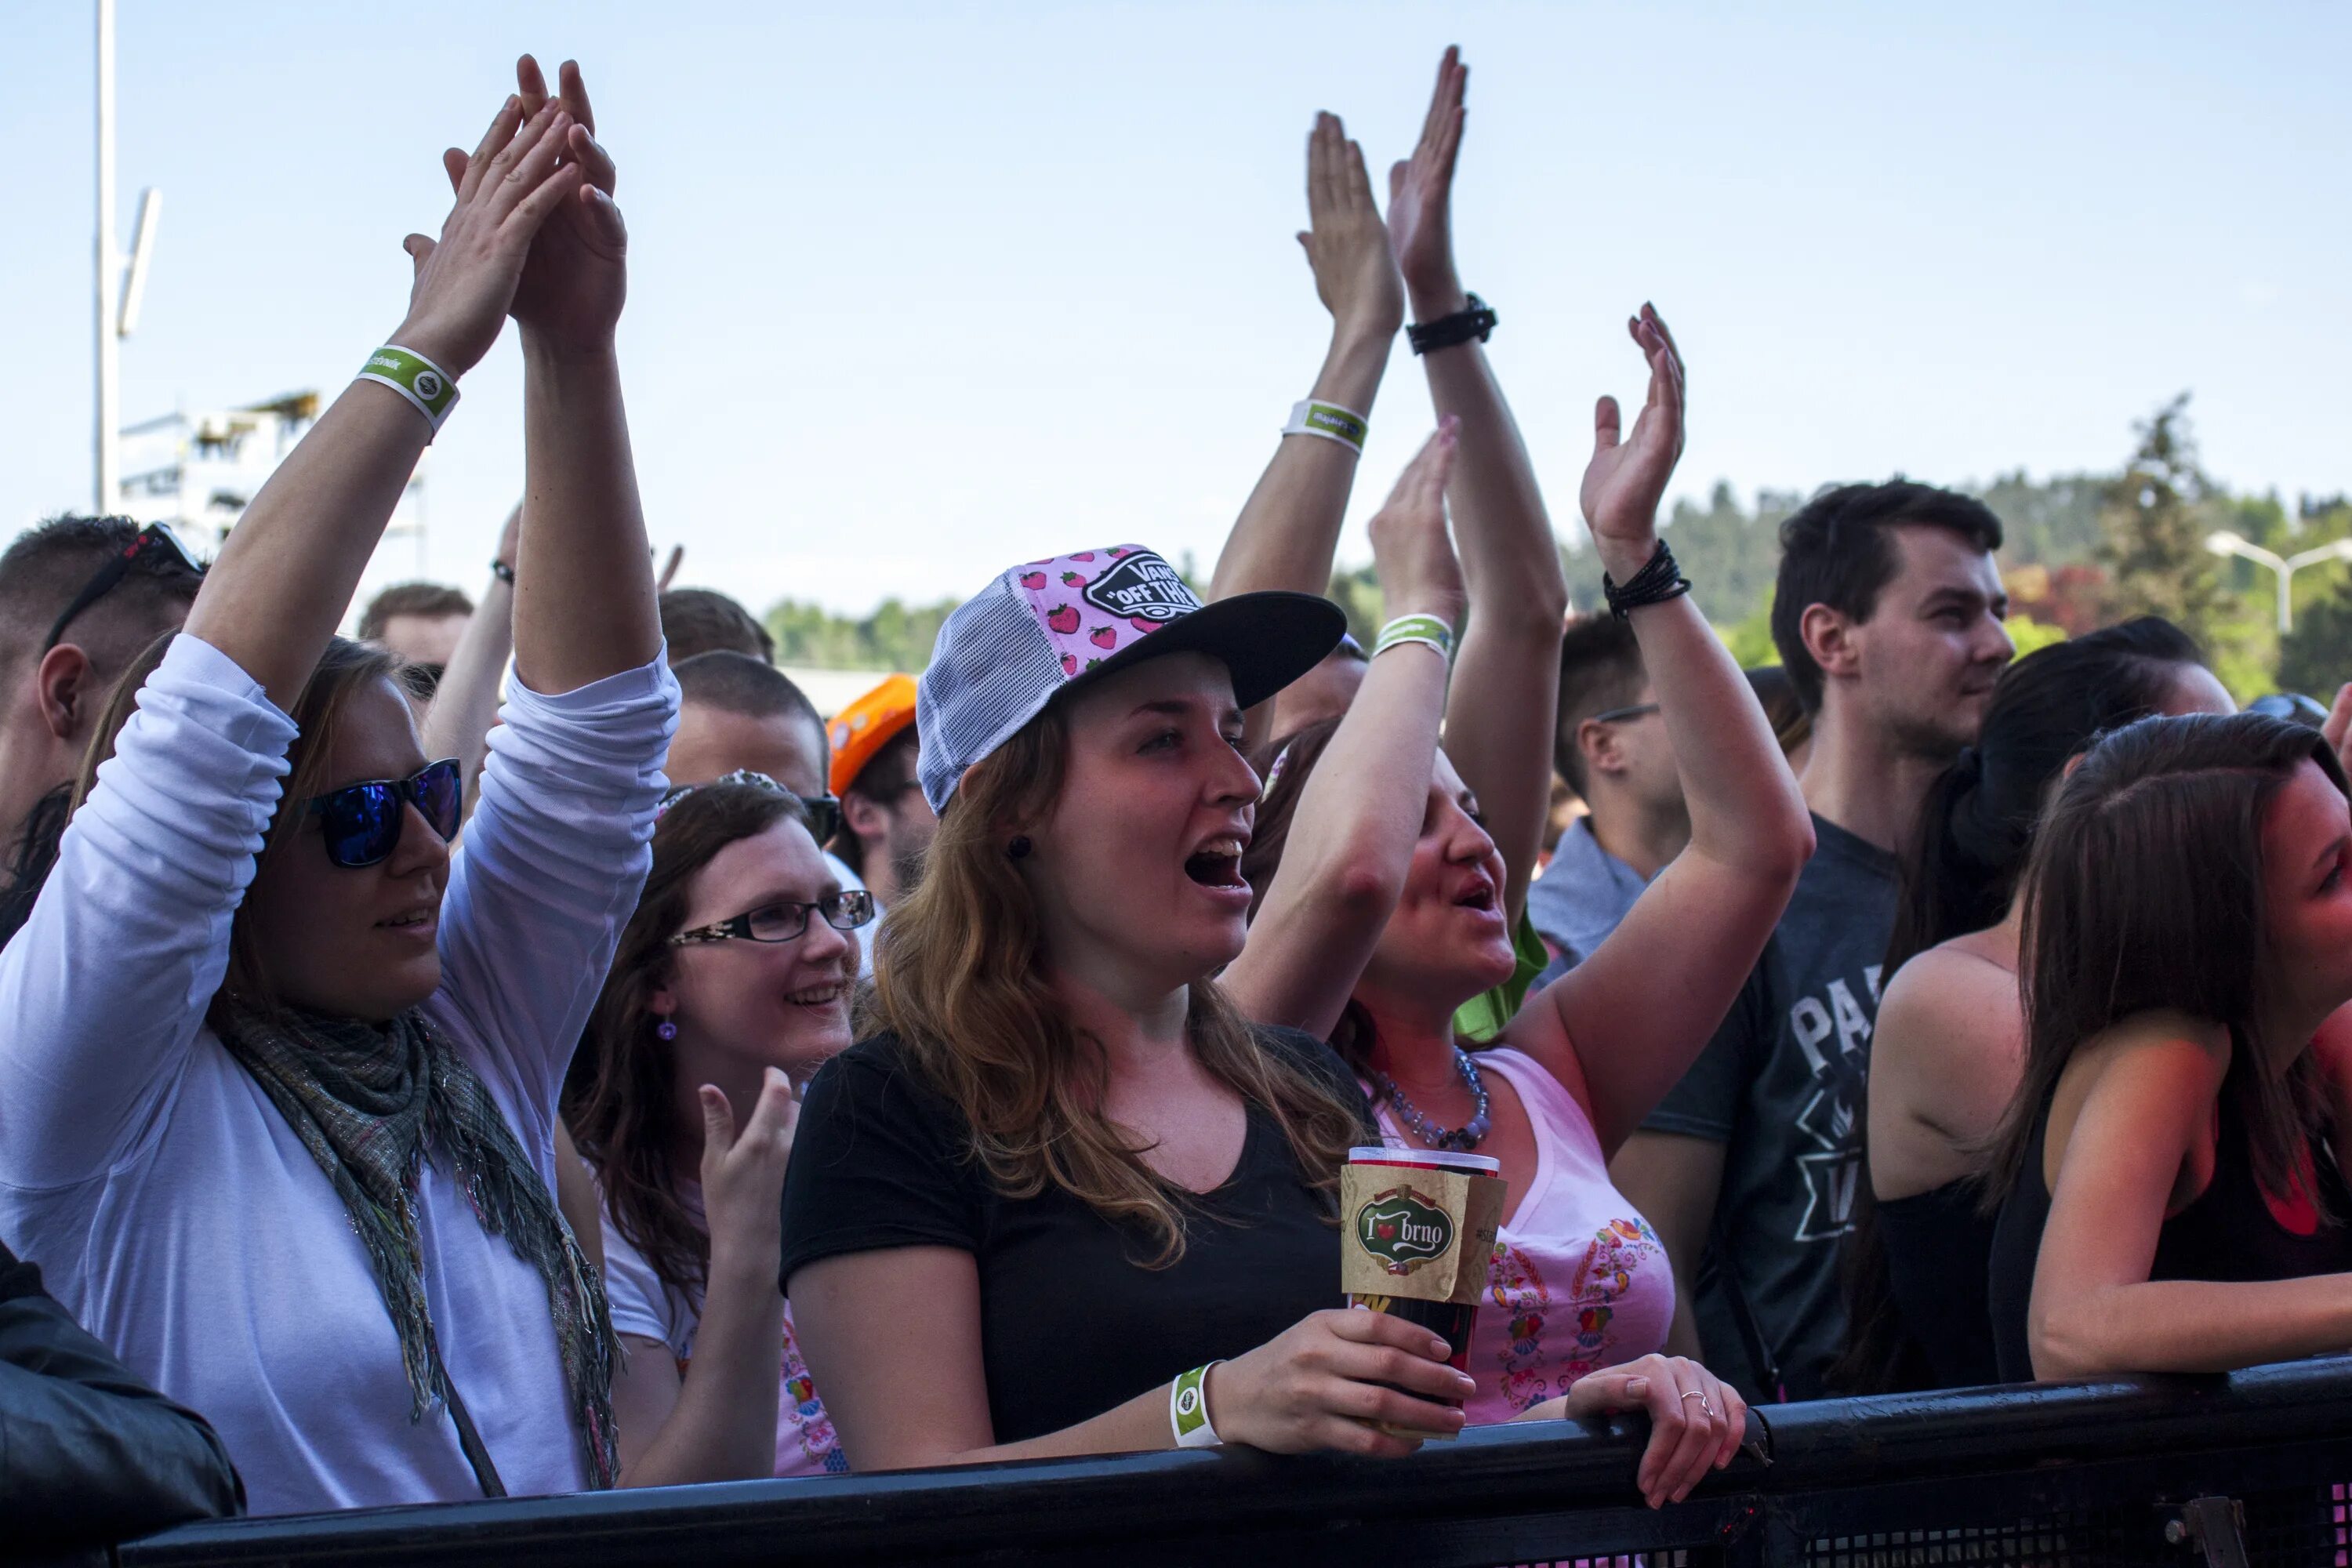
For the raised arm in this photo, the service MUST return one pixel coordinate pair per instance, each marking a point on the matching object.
(466, 704)
(111, 976)
(585, 609)
(1351, 835)
(1633, 1017)
(1290, 528)
(1509, 665)
(279, 589)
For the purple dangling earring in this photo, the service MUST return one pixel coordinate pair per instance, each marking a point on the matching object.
(665, 1030)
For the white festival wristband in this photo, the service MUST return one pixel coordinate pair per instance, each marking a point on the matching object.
(1328, 420)
(1187, 1410)
(431, 390)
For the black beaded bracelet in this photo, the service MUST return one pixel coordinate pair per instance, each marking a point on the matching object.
(1657, 581)
(1476, 319)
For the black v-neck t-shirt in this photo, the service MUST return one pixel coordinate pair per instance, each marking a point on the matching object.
(1073, 1323)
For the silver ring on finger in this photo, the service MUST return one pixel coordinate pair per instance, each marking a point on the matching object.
(1699, 1395)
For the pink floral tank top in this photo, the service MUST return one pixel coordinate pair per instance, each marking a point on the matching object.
(1579, 1282)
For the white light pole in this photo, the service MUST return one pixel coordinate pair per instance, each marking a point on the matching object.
(117, 297)
(2282, 568)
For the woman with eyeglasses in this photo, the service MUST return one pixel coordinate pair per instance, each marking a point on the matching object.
(282, 1071)
(731, 987)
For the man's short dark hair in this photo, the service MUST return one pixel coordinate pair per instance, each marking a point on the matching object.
(428, 601)
(738, 683)
(1835, 551)
(698, 620)
(1600, 668)
(51, 563)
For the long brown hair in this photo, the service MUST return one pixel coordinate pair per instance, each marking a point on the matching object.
(2145, 893)
(342, 670)
(960, 980)
(620, 1098)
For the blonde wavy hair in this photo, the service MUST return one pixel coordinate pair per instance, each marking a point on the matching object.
(959, 979)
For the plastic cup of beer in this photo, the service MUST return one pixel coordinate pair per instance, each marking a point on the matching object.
(1418, 1236)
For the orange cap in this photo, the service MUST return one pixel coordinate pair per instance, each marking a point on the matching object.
(867, 725)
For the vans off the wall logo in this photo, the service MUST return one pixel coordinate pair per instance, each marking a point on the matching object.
(1141, 586)
(1404, 1229)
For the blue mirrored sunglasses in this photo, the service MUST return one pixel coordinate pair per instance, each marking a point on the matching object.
(363, 821)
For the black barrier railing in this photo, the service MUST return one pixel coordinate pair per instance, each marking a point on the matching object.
(2147, 1471)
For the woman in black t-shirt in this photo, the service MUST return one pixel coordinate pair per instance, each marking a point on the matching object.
(2167, 1170)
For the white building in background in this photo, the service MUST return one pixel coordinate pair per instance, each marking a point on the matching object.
(198, 470)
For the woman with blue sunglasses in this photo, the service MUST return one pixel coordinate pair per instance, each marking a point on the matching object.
(280, 1087)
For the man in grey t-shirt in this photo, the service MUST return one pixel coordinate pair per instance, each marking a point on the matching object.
(1887, 615)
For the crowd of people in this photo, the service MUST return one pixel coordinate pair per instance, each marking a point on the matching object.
(528, 1049)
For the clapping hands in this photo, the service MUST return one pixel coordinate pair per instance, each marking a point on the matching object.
(468, 280)
(575, 277)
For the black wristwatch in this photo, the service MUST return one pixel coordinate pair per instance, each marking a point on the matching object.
(1475, 320)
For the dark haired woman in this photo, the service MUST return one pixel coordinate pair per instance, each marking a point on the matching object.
(729, 989)
(1950, 1037)
(281, 1072)
(2170, 1199)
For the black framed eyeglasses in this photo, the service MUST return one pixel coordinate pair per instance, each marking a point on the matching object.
(364, 820)
(784, 921)
(823, 811)
(156, 547)
(1617, 715)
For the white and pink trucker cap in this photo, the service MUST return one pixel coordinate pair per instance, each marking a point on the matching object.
(1040, 629)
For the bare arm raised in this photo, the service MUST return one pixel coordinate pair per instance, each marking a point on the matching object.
(275, 595)
(1508, 665)
(1629, 1021)
(1352, 834)
(1290, 528)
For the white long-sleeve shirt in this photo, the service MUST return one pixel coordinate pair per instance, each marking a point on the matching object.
(172, 1206)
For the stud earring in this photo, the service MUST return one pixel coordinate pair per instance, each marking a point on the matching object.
(1019, 848)
(665, 1030)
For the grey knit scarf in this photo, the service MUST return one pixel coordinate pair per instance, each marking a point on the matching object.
(372, 1103)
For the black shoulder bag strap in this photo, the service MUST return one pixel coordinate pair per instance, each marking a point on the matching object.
(1767, 1366)
(486, 1474)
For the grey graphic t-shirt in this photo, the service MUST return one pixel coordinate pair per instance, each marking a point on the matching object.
(1781, 1085)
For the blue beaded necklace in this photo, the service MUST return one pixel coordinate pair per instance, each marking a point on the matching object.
(1467, 1136)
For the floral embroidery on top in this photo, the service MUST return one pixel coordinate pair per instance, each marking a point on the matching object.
(1531, 1372)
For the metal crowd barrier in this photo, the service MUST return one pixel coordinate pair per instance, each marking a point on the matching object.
(2251, 1468)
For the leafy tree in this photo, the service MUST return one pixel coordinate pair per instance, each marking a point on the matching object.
(897, 636)
(2154, 519)
(2316, 656)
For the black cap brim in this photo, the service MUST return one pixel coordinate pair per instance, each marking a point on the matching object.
(1267, 640)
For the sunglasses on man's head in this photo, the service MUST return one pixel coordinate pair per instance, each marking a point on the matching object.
(823, 810)
(363, 821)
(155, 547)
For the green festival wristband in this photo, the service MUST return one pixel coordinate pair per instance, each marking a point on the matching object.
(1329, 421)
(431, 389)
(1426, 629)
(1187, 1410)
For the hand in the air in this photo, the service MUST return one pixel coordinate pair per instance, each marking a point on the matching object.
(576, 277)
(1346, 242)
(1421, 198)
(467, 280)
(1627, 478)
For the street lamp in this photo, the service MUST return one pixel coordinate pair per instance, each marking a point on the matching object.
(2282, 568)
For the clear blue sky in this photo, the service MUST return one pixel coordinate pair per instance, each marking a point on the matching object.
(921, 291)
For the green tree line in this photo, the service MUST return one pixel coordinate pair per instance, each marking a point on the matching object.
(2081, 550)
